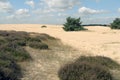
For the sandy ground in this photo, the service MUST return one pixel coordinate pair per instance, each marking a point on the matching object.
(96, 41)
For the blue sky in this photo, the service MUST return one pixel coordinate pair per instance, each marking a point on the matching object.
(56, 11)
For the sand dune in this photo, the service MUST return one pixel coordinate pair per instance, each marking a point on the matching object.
(96, 41)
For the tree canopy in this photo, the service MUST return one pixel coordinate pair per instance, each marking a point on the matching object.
(73, 24)
(115, 24)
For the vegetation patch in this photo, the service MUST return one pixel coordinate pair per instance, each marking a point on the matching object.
(73, 24)
(43, 26)
(44, 37)
(88, 68)
(12, 46)
(104, 61)
(9, 70)
(115, 24)
(38, 45)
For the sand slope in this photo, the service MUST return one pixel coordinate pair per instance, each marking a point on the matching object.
(96, 41)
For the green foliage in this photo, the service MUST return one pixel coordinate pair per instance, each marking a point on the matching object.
(104, 61)
(88, 68)
(43, 26)
(9, 70)
(45, 37)
(32, 39)
(12, 51)
(21, 42)
(16, 52)
(35, 42)
(105, 25)
(115, 24)
(37, 45)
(73, 24)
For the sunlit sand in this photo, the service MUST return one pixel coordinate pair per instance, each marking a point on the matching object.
(96, 41)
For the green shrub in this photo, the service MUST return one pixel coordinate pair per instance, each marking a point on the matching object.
(2, 41)
(45, 37)
(88, 68)
(115, 24)
(33, 39)
(21, 42)
(9, 70)
(12, 51)
(104, 61)
(43, 26)
(73, 24)
(37, 45)
(4, 33)
(84, 71)
(16, 52)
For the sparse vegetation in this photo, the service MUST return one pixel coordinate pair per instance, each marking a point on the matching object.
(43, 26)
(88, 68)
(9, 70)
(38, 45)
(104, 61)
(73, 24)
(115, 24)
(13, 51)
(12, 45)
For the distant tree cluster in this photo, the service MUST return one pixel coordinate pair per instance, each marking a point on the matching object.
(95, 25)
(115, 24)
(73, 24)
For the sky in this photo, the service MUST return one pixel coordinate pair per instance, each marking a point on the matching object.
(56, 11)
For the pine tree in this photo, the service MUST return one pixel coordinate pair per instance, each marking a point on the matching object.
(73, 24)
(115, 24)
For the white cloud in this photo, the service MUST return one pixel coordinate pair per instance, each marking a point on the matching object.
(42, 11)
(30, 3)
(61, 4)
(118, 9)
(62, 14)
(54, 6)
(5, 6)
(20, 13)
(87, 11)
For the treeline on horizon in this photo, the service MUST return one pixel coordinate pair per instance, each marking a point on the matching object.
(96, 25)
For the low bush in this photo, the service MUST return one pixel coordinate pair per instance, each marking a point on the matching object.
(84, 71)
(33, 39)
(88, 68)
(38, 45)
(2, 41)
(4, 33)
(16, 52)
(43, 26)
(21, 42)
(9, 70)
(45, 37)
(104, 61)
(12, 51)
